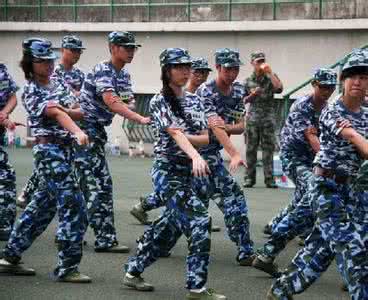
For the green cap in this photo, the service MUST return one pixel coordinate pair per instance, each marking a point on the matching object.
(39, 48)
(357, 58)
(227, 58)
(200, 63)
(325, 76)
(174, 56)
(72, 42)
(257, 55)
(122, 38)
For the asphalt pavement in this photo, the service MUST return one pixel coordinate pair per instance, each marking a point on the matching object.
(131, 179)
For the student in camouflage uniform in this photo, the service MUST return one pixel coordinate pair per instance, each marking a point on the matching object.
(71, 50)
(46, 103)
(260, 127)
(223, 101)
(299, 145)
(292, 155)
(342, 151)
(103, 95)
(199, 73)
(176, 114)
(8, 101)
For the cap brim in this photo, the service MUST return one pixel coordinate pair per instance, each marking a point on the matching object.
(51, 56)
(230, 65)
(353, 67)
(131, 44)
(326, 83)
(207, 69)
(259, 58)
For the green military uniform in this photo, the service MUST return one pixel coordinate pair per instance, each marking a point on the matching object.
(260, 126)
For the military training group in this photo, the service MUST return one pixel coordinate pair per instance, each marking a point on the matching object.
(322, 147)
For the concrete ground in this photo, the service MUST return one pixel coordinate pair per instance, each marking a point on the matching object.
(131, 179)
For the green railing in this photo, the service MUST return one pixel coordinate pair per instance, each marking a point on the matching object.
(137, 132)
(222, 10)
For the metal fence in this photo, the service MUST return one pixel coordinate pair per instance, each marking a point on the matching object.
(166, 10)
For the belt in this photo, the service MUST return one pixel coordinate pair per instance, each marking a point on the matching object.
(52, 140)
(328, 173)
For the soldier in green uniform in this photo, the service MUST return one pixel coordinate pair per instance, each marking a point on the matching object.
(260, 127)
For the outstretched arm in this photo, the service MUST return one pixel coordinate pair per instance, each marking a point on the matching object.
(115, 105)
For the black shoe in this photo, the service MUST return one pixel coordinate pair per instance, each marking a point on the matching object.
(113, 249)
(249, 183)
(165, 254)
(267, 230)
(15, 269)
(246, 261)
(267, 267)
(4, 235)
(271, 184)
(215, 228)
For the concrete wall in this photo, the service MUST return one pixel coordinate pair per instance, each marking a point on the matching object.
(172, 12)
(294, 49)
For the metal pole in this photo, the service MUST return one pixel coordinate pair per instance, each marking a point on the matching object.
(6, 10)
(75, 11)
(189, 8)
(111, 11)
(274, 9)
(230, 9)
(39, 10)
(149, 10)
(320, 9)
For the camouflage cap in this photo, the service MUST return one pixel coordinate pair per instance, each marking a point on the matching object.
(71, 42)
(174, 56)
(227, 58)
(122, 38)
(325, 76)
(26, 44)
(39, 48)
(200, 63)
(357, 58)
(257, 55)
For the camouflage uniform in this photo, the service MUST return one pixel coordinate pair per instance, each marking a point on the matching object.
(221, 186)
(94, 174)
(153, 201)
(335, 231)
(260, 127)
(173, 182)
(58, 190)
(7, 177)
(74, 79)
(297, 156)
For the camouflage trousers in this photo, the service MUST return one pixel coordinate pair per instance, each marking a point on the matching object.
(297, 221)
(7, 192)
(184, 213)
(257, 134)
(30, 186)
(336, 232)
(96, 184)
(300, 175)
(57, 191)
(222, 188)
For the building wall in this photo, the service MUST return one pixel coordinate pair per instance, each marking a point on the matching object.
(178, 11)
(293, 49)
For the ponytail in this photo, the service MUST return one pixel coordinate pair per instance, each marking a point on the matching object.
(169, 94)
